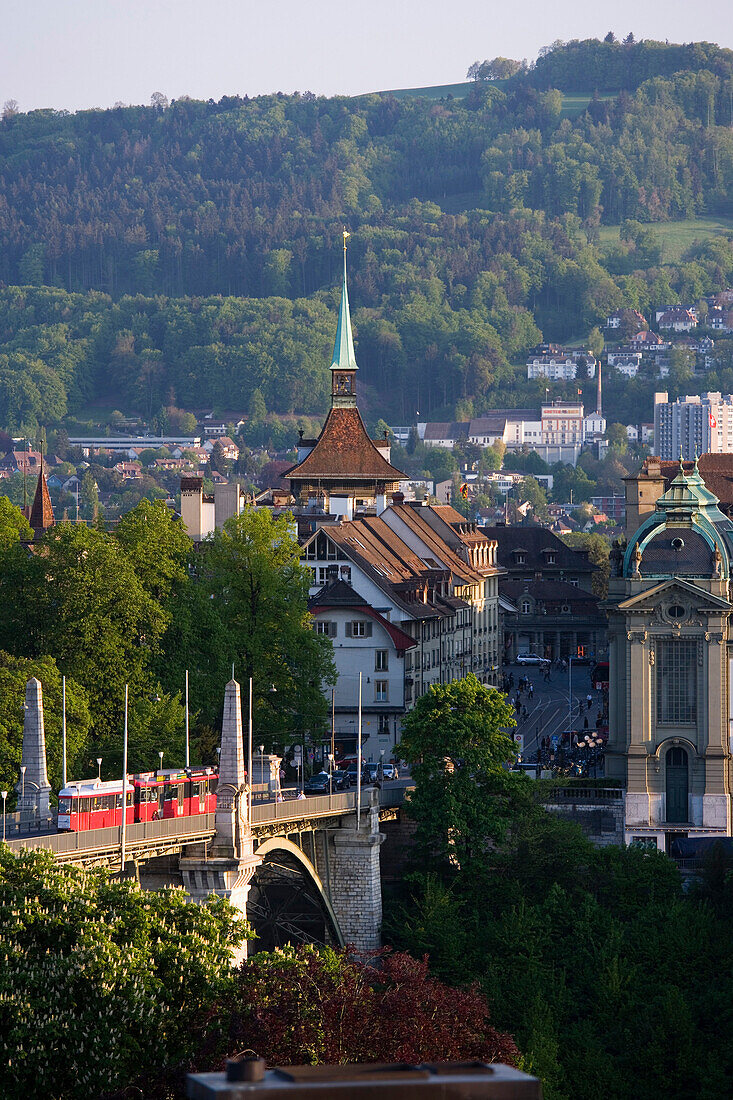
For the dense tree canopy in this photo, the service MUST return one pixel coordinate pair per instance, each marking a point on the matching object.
(102, 985)
(456, 740)
(188, 255)
(611, 978)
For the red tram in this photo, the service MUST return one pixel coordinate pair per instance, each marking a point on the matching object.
(150, 796)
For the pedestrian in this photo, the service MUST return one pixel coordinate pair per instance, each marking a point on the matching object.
(589, 700)
(531, 692)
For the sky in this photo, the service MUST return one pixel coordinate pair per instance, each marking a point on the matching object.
(74, 54)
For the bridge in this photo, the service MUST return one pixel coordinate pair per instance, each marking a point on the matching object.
(302, 870)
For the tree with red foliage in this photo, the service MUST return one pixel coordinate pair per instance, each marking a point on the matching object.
(321, 1006)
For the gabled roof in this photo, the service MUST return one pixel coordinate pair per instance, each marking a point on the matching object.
(344, 452)
(337, 594)
(340, 596)
(436, 546)
(533, 541)
(640, 601)
(553, 593)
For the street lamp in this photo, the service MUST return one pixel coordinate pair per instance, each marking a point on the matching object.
(381, 765)
(5, 795)
(22, 782)
(99, 769)
(160, 757)
(330, 774)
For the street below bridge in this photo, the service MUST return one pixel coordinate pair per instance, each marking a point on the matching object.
(549, 711)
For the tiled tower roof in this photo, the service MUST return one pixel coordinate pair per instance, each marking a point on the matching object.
(41, 517)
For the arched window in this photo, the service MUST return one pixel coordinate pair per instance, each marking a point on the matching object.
(526, 607)
(677, 784)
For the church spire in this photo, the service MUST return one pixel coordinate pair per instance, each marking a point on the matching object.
(41, 517)
(344, 358)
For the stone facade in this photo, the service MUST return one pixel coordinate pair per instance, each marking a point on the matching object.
(354, 879)
(227, 868)
(34, 789)
(670, 665)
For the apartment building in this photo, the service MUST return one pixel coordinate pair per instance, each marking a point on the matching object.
(693, 425)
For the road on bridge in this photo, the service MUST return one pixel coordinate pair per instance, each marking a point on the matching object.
(549, 711)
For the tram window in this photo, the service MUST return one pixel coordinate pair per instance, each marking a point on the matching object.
(64, 805)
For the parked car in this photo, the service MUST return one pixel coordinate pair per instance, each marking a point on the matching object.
(369, 774)
(341, 779)
(317, 784)
(531, 659)
(390, 771)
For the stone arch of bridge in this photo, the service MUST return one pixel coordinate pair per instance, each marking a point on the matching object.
(287, 902)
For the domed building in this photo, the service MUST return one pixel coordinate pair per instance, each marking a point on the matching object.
(670, 652)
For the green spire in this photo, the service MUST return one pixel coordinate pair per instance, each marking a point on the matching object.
(343, 348)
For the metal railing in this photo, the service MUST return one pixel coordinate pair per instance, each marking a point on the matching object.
(151, 834)
(146, 834)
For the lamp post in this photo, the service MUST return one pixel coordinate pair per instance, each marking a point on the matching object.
(22, 782)
(99, 769)
(188, 761)
(570, 693)
(359, 763)
(123, 829)
(330, 774)
(381, 765)
(262, 765)
(63, 731)
(5, 795)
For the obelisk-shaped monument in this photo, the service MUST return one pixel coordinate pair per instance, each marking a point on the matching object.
(231, 795)
(227, 867)
(33, 788)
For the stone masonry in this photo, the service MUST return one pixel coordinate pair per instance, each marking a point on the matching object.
(34, 790)
(356, 887)
(226, 870)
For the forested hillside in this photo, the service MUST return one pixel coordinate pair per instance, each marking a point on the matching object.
(475, 230)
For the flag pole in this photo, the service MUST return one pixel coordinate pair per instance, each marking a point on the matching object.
(63, 732)
(187, 739)
(249, 754)
(123, 833)
(358, 762)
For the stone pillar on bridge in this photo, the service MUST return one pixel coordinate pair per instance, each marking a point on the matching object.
(34, 789)
(355, 881)
(226, 868)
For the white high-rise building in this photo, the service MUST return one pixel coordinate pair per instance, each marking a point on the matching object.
(693, 425)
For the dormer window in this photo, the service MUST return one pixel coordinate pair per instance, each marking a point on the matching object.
(550, 557)
(526, 607)
(520, 557)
